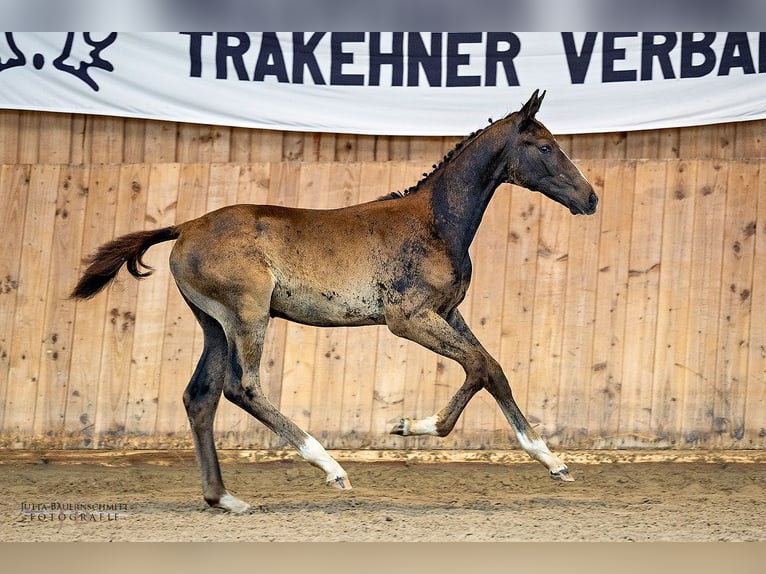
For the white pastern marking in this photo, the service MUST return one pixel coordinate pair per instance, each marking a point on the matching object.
(233, 504)
(315, 454)
(538, 450)
(426, 426)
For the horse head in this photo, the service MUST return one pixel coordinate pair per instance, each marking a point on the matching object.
(538, 163)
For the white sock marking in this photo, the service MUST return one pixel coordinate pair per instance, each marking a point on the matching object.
(315, 454)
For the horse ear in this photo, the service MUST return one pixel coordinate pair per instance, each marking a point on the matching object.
(529, 109)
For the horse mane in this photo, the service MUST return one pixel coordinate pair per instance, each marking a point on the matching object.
(445, 160)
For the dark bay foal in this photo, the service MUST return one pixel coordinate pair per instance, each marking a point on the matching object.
(401, 261)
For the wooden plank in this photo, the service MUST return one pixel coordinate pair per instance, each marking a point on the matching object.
(755, 392)
(588, 146)
(698, 367)
(87, 383)
(547, 333)
(165, 457)
(161, 143)
(188, 148)
(642, 295)
(29, 137)
(239, 145)
(700, 142)
(134, 147)
(25, 349)
(144, 381)
(398, 148)
(366, 147)
(724, 136)
(9, 136)
(111, 399)
(579, 309)
(266, 146)
(519, 297)
(107, 135)
(178, 355)
(59, 314)
(652, 144)
(749, 139)
(14, 194)
(642, 144)
(337, 147)
(731, 382)
(606, 382)
(426, 149)
(79, 142)
(293, 144)
(673, 306)
(214, 144)
(615, 146)
(57, 136)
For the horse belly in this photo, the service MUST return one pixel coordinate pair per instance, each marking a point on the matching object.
(327, 307)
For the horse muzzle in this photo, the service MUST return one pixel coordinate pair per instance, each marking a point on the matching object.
(586, 208)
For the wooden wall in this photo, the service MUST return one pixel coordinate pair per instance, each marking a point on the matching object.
(640, 326)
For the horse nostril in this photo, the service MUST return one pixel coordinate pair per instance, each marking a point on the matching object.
(593, 201)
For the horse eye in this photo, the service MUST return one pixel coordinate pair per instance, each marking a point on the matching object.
(544, 148)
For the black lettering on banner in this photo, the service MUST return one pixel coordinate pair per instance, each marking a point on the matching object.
(395, 59)
(736, 54)
(578, 62)
(418, 57)
(271, 61)
(611, 55)
(303, 57)
(445, 59)
(339, 57)
(195, 52)
(762, 53)
(455, 59)
(659, 51)
(225, 51)
(497, 56)
(701, 47)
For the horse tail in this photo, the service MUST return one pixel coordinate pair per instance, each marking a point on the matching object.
(111, 256)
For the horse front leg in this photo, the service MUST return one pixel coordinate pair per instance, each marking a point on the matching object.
(453, 338)
(529, 440)
(447, 338)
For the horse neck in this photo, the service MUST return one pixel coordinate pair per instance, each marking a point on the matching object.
(463, 187)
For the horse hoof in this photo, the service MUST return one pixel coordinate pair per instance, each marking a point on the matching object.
(232, 504)
(403, 428)
(340, 482)
(562, 475)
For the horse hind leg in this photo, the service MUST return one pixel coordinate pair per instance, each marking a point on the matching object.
(245, 334)
(201, 399)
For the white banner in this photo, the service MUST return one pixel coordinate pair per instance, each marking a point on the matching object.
(391, 83)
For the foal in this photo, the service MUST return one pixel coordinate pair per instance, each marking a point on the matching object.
(401, 261)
